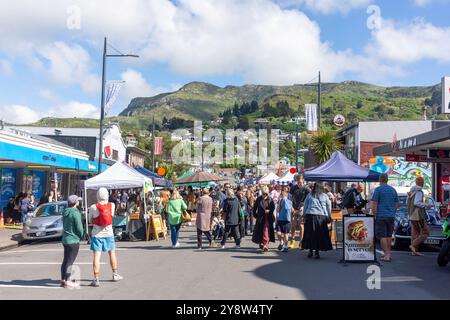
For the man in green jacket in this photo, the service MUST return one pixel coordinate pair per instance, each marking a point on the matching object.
(73, 233)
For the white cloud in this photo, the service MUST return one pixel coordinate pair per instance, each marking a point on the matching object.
(19, 114)
(6, 67)
(70, 64)
(422, 3)
(410, 42)
(48, 95)
(328, 6)
(136, 86)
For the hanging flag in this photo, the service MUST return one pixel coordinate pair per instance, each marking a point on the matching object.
(311, 117)
(112, 91)
(157, 149)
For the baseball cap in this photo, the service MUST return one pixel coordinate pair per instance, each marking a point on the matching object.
(72, 199)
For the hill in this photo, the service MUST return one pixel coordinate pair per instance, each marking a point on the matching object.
(203, 101)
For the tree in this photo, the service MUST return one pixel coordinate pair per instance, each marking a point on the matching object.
(359, 104)
(323, 144)
(244, 123)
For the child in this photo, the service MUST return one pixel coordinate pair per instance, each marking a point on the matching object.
(285, 210)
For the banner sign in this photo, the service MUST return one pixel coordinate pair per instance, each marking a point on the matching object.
(158, 146)
(311, 117)
(445, 95)
(8, 186)
(112, 91)
(359, 238)
(415, 158)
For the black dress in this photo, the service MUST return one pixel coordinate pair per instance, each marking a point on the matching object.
(317, 234)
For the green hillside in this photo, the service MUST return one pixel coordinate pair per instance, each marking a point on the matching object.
(202, 101)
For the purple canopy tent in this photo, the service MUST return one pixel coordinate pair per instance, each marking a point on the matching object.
(340, 169)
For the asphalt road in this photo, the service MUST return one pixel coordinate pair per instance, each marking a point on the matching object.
(153, 270)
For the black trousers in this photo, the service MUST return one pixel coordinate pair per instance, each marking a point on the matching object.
(70, 254)
(200, 233)
(234, 231)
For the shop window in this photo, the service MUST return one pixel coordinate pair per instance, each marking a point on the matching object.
(115, 155)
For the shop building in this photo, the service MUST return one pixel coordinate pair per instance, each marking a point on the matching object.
(35, 164)
(432, 147)
(86, 139)
(136, 156)
(361, 139)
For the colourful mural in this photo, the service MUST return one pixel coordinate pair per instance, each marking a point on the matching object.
(402, 173)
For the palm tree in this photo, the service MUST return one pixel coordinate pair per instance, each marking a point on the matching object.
(323, 144)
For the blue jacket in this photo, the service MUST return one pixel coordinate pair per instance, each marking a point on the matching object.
(318, 206)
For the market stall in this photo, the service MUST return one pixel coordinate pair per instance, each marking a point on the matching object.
(285, 179)
(119, 176)
(355, 231)
(156, 179)
(268, 178)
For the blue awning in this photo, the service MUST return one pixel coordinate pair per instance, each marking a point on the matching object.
(157, 180)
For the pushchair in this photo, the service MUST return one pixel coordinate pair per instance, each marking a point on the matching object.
(218, 229)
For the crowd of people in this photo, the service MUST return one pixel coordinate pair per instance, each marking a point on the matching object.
(266, 213)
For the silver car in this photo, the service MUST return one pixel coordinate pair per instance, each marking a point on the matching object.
(45, 222)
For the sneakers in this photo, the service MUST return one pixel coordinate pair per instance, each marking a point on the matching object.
(292, 244)
(222, 247)
(117, 277)
(176, 245)
(300, 245)
(95, 282)
(280, 247)
(285, 249)
(238, 246)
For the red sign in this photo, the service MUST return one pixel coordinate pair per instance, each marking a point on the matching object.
(415, 158)
(108, 151)
(158, 146)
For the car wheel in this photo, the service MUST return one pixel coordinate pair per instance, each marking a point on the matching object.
(444, 254)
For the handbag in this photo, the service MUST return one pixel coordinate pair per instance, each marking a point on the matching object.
(185, 216)
(327, 216)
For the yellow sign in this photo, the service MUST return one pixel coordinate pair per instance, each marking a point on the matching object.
(156, 226)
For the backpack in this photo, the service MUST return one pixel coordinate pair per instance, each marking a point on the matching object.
(414, 212)
(349, 199)
(105, 215)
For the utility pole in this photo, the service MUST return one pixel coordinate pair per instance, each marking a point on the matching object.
(319, 88)
(102, 109)
(153, 138)
(296, 144)
(102, 103)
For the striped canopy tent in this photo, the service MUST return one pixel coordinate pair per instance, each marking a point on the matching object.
(285, 179)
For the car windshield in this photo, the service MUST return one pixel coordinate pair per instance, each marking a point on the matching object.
(402, 201)
(51, 209)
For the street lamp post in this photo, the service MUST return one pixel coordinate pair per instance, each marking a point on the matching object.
(102, 103)
(296, 144)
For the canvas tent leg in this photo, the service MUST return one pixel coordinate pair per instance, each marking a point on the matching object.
(87, 212)
(145, 212)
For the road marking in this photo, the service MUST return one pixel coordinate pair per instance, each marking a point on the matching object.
(52, 250)
(32, 287)
(43, 263)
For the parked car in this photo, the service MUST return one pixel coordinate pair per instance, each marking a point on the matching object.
(45, 222)
(402, 225)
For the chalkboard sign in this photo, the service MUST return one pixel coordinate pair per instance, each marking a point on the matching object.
(338, 228)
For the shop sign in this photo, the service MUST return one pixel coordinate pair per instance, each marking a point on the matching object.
(415, 158)
(438, 154)
(359, 238)
(49, 158)
(407, 143)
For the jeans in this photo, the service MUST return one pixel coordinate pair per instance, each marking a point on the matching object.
(234, 231)
(24, 215)
(174, 233)
(200, 233)
(70, 254)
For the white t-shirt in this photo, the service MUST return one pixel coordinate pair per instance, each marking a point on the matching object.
(99, 231)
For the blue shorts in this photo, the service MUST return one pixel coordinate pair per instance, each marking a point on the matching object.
(283, 226)
(103, 244)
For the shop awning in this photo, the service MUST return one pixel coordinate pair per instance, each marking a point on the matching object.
(339, 168)
(157, 180)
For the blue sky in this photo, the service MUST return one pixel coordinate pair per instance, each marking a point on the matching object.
(50, 54)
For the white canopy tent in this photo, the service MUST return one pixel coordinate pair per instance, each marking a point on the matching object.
(268, 178)
(118, 176)
(285, 179)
